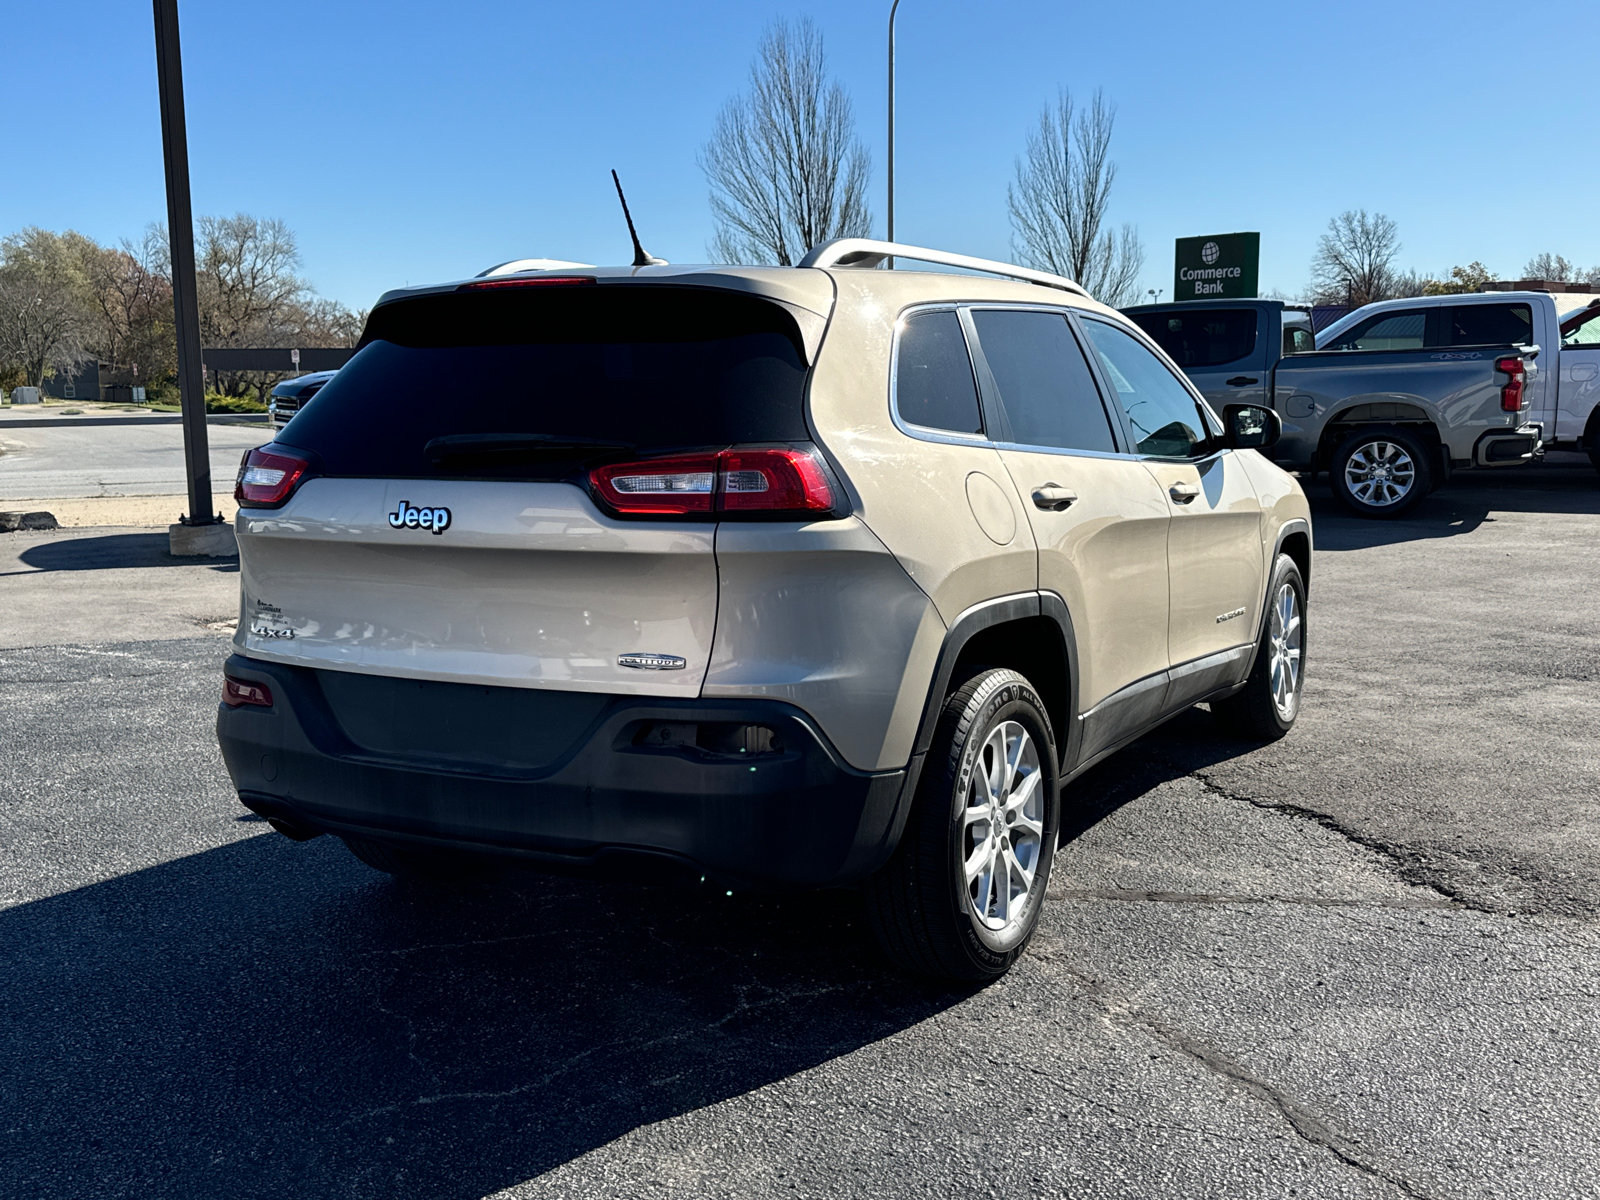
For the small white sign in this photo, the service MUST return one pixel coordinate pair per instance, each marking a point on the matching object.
(294, 357)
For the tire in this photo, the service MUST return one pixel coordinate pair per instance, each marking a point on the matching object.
(1266, 707)
(1381, 473)
(932, 914)
(405, 863)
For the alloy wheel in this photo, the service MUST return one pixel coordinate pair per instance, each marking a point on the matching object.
(1380, 473)
(1286, 635)
(1003, 826)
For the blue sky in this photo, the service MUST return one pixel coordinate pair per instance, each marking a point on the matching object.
(408, 142)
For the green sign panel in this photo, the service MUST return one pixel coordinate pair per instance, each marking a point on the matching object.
(1221, 266)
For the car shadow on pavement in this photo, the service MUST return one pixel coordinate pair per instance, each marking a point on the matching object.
(1189, 742)
(271, 1019)
(1461, 506)
(111, 551)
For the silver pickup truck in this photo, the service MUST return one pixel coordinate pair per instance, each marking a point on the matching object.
(1390, 399)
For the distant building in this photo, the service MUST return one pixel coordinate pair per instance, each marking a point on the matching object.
(83, 385)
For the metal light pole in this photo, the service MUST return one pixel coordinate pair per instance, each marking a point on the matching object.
(180, 233)
(892, 10)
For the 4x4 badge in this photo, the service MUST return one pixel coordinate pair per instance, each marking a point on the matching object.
(652, 662)
(407, 517)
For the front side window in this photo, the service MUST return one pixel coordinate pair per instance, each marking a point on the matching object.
(1298, 341)
(1202, 337)
(1488, 324)
(1046, 388)
(933, 383)
(1403, 330)
(1165, 418)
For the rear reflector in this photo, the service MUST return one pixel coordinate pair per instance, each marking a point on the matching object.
(244, 691)
(1511, 393)
(267, 475)
(732, 481)
(484, 285)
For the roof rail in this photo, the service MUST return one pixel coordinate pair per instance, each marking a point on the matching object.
(867, 252)
(518, 265)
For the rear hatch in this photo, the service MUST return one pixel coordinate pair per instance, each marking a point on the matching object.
(445, 520)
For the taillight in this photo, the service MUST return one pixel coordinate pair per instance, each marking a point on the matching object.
(773, 481)
(267, 475)
(662, 485)
(732, 481)
(1511, 393)
(244, 691)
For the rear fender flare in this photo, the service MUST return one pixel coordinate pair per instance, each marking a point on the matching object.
(963, 629)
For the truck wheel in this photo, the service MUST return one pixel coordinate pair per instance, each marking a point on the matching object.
(961, 895)
(406, 863)
(1266, 707)
(1381, 472)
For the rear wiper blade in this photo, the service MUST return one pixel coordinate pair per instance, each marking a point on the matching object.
(521, 446)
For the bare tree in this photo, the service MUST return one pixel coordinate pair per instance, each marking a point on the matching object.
(1354, 263)
(1550, 267)
(786, 169)
(1060, 199)
(246, 278)
(132, 303)
(46, 319)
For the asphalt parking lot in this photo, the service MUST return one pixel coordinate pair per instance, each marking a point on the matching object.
(1363, 961)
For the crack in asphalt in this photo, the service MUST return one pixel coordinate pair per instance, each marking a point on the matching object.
(1211, 898)
(1310, 1128)
(1403, 863)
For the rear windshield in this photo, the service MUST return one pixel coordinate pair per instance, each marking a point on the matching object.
(1202, 338)
(519, 383)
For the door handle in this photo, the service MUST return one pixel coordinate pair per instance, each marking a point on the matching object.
(1183, 493)
(1242, 381)
(1052, 497)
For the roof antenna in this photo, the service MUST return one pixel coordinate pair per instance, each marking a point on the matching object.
(641, 258)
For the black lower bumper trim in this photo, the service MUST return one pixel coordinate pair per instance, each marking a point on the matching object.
(794, 817)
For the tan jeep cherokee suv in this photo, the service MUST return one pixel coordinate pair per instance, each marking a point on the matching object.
(780, 577)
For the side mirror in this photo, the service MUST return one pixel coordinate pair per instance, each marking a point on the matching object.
(1251, 427)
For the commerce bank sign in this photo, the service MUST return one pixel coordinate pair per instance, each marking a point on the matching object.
(1224, 266)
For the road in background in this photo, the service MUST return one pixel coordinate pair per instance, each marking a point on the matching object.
(113, 460)
(1360, 962)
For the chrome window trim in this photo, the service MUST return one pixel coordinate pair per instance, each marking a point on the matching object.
(927, 433)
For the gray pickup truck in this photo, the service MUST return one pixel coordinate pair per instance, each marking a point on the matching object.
(1389, 401)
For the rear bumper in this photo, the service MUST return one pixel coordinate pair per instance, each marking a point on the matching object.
(1508, 447)
(590, 799)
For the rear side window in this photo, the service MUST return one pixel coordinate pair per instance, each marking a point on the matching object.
(1402, 330)
(526, 383)
(1165, 418)
(1584, 331)
(1202, 337)
(1487, 324)
(1046, 390)
(933, 383)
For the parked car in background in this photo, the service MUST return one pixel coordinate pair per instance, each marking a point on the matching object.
(1576, 425)
(1227, 348)
(779, 577)
(290, 396)
(1394, 396)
